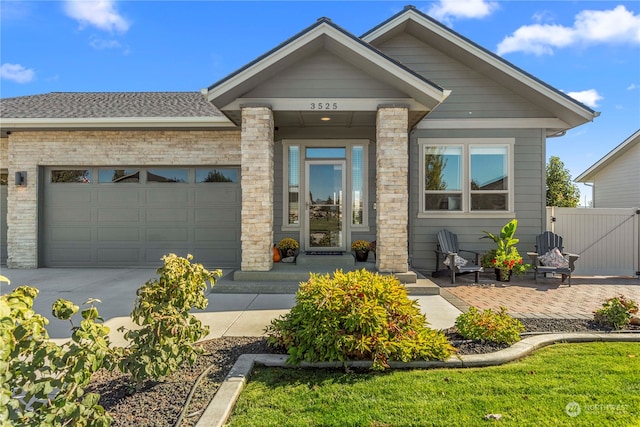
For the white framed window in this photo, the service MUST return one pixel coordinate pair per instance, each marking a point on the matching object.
(296, 152)
(466, 176)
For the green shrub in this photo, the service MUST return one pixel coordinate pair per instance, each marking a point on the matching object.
(42, 383)
(168, 329)
(356, 315)
(489, 326)
(616, 312)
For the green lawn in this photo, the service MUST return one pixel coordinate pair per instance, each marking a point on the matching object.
(603, 378)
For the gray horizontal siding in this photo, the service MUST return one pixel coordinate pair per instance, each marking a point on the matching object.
(618, 184)
(321, 76)
(529, 198)
(472, 91)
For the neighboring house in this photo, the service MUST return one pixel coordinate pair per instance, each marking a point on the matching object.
(616, 177)
(391, 137)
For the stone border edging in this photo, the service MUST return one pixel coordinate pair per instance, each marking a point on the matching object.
(219, 409)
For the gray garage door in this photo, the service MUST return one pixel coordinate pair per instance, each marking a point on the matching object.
(130, 216)
(3, 218)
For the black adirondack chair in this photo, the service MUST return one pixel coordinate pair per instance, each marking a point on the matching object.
(449, 248)
(545, 242)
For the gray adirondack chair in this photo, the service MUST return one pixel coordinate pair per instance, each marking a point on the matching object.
(545, 242)
(448, 247)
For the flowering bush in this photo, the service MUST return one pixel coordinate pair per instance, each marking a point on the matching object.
(360, 245)
(507, 258)
(511, 261)
(288, 243)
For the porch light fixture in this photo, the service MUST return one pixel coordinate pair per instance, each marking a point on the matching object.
(325, 119)
(21, 179)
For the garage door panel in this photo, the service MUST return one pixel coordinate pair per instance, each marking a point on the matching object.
(116, 234)
(167, 194)
(119, 197)
(218, 194)
(217, 235)
(216, 215)
(135, 224)
(71, 255)
(167, 234)
(117, 215)
(71, 234)
(69, 214)
(119, 256)
(70, 195)
(167, 215)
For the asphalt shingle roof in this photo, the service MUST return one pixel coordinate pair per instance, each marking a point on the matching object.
(108, 104)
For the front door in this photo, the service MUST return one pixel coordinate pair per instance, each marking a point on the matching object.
(325, 216)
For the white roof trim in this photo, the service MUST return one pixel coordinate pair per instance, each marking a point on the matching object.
(499, 123)
(587, 175)
(411, 14)
(324, 28)
(115, 122)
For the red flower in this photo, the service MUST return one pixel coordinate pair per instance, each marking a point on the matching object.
(493, 261)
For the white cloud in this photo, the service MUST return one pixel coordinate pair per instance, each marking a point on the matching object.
(588, 97)
(447, 9)
(633, 86)
(101, 44)
(617, 25)
(538, 39)
(16, 73)
(101, 14)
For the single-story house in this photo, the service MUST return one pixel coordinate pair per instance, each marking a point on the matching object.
(615, 178)
(327, 138)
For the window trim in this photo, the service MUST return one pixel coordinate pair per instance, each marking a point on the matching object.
(466, 144)
(348, 144)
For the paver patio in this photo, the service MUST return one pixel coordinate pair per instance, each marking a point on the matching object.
(549, 298)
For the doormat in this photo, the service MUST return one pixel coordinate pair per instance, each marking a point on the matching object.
(323, 253)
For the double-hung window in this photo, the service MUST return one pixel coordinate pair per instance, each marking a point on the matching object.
(466, 175)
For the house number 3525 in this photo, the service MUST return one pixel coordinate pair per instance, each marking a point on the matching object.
(323, 106)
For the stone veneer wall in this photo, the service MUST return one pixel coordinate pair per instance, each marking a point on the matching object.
(392, 200)
(257, 188)
(4, 153)
(28, 151)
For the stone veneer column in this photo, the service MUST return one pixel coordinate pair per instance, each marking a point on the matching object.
(392, 197)
(257, 188)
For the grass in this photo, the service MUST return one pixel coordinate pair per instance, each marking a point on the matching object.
(603, 378)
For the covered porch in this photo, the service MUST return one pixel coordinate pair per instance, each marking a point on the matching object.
(325, 122)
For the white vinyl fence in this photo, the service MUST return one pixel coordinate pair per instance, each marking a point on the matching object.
(607, 240)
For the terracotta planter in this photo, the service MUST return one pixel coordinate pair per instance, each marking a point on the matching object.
(503, 276)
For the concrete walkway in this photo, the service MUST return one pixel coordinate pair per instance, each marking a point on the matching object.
(228, 314)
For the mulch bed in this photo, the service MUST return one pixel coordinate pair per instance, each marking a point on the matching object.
(159, 404)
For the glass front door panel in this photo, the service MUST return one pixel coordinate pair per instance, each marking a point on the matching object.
(325, 183)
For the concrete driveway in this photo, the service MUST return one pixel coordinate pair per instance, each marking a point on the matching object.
(228, 314)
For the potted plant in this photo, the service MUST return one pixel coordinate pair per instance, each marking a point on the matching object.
(361, 248)
(288, 249)
(507, 259)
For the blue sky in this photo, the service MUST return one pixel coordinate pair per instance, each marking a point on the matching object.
(588, 49)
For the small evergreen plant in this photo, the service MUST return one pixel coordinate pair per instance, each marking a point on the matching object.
(489, 326)
(356, 315)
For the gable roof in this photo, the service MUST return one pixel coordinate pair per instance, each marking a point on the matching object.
(60, 109)
(324, 34)
(425, 28)
(609, 158)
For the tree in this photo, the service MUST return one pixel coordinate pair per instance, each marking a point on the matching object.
(561, 191)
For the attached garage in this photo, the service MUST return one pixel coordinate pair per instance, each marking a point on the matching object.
(132, 216)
